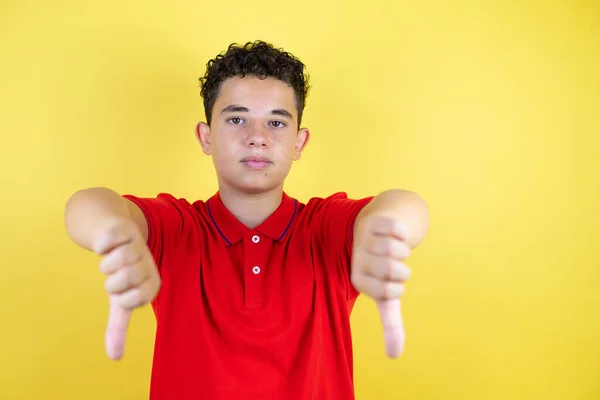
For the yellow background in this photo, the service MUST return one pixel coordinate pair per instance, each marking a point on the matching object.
(489, 110)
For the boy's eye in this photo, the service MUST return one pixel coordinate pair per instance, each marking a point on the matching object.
(235, 120)
(277, 124)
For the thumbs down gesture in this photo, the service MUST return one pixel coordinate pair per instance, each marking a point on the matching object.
(379, 271)
(132, 279)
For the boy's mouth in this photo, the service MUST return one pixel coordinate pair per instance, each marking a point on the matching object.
(256, 162)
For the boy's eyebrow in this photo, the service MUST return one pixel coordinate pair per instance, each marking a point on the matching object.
(283, 112)
(235, 108)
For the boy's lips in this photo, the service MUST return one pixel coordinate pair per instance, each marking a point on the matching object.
(256, 162)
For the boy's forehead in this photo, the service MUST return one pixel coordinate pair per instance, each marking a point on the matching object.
(268, 92)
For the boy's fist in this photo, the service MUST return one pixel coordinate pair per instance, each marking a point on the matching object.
(132, 278)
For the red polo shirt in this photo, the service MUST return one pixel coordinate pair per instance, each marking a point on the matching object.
(253, 314)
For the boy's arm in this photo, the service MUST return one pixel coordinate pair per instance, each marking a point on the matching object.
(100, 220)
(403, 206)
(385, 231)
(90, 212)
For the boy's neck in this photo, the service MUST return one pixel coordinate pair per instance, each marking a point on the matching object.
(251, 209)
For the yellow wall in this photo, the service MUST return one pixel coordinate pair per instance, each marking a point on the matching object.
(491, 112)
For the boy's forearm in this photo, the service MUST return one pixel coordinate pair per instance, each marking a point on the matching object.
(408, 207)
(89, 212)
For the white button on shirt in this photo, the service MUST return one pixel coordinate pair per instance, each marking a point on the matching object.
(255, 239)
(256, 270)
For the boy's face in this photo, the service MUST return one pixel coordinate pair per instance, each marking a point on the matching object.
(253, 137)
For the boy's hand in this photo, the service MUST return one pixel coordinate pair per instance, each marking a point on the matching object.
(132, 279)
(378, 270)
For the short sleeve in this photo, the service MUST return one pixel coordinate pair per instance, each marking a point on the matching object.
(336, 226)
(165, 219)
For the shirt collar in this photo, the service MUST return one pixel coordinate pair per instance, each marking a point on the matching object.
(231, 230)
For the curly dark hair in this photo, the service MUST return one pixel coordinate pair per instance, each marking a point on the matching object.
(257, 58)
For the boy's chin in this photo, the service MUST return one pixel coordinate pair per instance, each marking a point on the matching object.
(255, 186)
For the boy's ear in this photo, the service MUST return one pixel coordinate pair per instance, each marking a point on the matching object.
(203, 135)
(302, 139)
